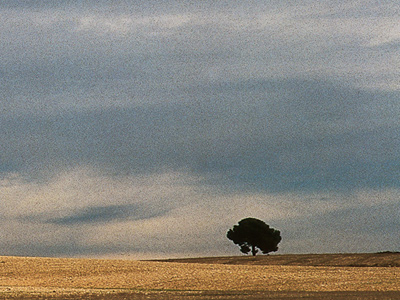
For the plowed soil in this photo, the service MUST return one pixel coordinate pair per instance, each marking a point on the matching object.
(382, 259)
(322, 276)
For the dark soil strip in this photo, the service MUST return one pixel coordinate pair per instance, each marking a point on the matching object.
(382, 259)
(225, 296)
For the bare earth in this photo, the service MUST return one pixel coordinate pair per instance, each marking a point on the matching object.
(320, 276)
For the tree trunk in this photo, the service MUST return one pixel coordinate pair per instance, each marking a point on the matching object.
(253, 250)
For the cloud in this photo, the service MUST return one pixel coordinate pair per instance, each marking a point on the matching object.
(276, 135)
(100, 214)
(179, 215)
(142, 114)
(54, 58)
(46, 216)
(128, 24)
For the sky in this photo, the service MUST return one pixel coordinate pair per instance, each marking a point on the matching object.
(147, 129)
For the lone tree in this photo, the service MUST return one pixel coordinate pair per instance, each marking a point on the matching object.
(252, 233)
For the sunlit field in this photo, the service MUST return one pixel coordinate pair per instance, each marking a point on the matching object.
(276, 277)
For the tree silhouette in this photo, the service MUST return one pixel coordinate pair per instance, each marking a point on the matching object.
(252, 233)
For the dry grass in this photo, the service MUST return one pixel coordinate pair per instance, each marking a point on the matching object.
(90, 278)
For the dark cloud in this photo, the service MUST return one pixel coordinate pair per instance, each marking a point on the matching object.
(271, 135)
(107, 213)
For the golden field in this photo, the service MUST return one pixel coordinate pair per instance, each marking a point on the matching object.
(320, 276)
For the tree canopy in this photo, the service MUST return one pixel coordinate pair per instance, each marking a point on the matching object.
(252, 233)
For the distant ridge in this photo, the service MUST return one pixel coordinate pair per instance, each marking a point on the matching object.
(380, 259)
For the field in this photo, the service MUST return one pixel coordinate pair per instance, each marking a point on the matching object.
(318, 276)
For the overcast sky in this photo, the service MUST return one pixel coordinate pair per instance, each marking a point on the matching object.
(141, 129)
